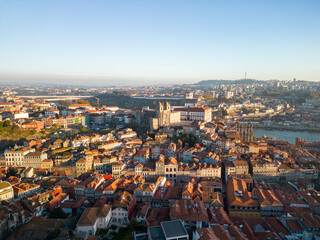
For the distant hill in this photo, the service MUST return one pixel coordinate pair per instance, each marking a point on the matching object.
(220, 82)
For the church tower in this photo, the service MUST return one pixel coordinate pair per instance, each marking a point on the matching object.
(245, 131)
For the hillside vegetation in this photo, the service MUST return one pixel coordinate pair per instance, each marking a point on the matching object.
(11, 134)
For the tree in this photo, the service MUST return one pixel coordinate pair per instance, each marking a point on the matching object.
(113, 227)
(7, 123)
(55, 233)
(133, 224)
(71, 234)
(151, 134)
(208, 96)
(65, 102)
(83, 101)
(314, 95)
(58, 213)
(11, 172)
(83, 130)
(224, 112)
(16, 129)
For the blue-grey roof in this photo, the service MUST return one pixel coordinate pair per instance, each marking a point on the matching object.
(174, 228)
(156, 233)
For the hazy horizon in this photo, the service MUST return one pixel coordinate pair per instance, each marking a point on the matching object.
(107, 43)
(103, 82)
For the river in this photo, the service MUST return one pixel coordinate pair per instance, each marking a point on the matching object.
(287, 135)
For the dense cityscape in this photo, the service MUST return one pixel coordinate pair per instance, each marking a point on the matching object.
(160, 162)
(159, 120)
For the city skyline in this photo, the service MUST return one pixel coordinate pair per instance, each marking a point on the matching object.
(126, 43)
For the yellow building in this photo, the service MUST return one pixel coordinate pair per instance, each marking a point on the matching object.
(82, 166)
(34, 159)
(171, 169)
(47, 164)
(89, 159)
(160, 166)
(138, 169)
(241, 199)
(116, 169)
(6, 191)
(265, 170)
(241, 167)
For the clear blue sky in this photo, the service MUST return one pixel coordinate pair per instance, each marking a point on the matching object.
(166, 41)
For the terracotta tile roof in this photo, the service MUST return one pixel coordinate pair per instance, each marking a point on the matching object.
(90, 215)
(241, 163)
(277, 226)
(172, 160)
(206, 234)
(267, 197)
(310, 220)
(255, 227)
(188, 210)
(81, 160)
(238, 194)
(222, 216)
(221, 232)
(157, 215)
(142, 212)
(294, 225)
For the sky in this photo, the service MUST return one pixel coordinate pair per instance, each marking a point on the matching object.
(148, 42)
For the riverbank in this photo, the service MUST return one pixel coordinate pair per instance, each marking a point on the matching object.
(287, 135)
(284, 128)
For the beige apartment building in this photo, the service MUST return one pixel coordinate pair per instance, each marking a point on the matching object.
(83, 166)
(116, 169)
(6, 191)
(34, 159)
(264, 170)
(15, 157)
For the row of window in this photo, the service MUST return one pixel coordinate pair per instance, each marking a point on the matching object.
(246, 214)
(15, 159)
(171, 170)
(120, 214)
(171, 175)
(244, 208)
(13, 154)
(28, 157)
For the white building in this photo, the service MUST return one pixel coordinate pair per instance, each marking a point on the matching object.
(92, 219)
(15, 157)
(51, 112)
(203, 114)
(120, 216)
(21, 115)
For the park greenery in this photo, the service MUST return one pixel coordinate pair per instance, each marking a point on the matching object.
(54, 234)
(12, 133)
(58, 213)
